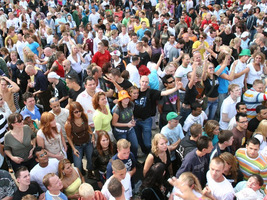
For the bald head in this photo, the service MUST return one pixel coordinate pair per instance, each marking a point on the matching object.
(30, 70)
(48, 52)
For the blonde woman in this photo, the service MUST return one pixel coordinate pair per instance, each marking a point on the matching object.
(235, 45)
(76, 59)
(212, 130)
(261, 133)
(159, 153)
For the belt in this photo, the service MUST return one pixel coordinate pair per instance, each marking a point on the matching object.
(122, 131)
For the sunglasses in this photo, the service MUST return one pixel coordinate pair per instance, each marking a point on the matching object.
(171, 82)
(44, 154)
(54, 100)
(77, 111)
(18, 121)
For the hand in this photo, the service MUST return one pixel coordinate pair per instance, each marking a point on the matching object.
(17, 160)
(206, 191)
(162, 56)
(131, 124)
(59, 156)
(30, 154)
(179, 85)
(76, 153)
(181, 53)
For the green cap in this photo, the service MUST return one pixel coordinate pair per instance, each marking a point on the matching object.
(245, 52)
(173, 115)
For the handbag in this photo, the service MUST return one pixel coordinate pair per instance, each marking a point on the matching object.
(205, 99)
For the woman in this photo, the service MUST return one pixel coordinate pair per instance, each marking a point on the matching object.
(102, 154)
(235, 45)
(114, 41)
(71, 178)
(156, 47)
(215, 51)
(50, 137)
(231, 171)
(191, 35)
(212, 130)
(261, 134)
(123, 121)
(102, 116)
(256, 68)
(5, 53)
(152, 186)
(80, 136)
(210, 81)
(108, 30)
(10, 45)
(42, 33)
(133, 92)
(76, 60)
(164, 35)
(19, 143)
(197, 24)
(130, 24)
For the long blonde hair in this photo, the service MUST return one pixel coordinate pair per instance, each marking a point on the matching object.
(262, 129)
(191, 180)
(155, 142)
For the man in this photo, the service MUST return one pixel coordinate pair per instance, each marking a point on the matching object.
(228, 110)
(40, 86)
(197, 161)
(254, 97)
(49, 21)
(74, 88)
(171, 28)
(125, 155)
(94, 17)
(54, 186)
(45, 165)
(60, 89)
(119, 83)
(69, 71)
(174, 133)
(119, 172)
(143, 18)
(8, 185)
(176, 52)
(167, 47)
(85, 98)
(20, 46)
(98, 39)
(220, 187)
(26, 186)
(260, 41)
(116, 189)
(141, 31)
(22, 77)
(251, 161)
(8, 92)
(12, 21)
(101, 56)
(30, 107)
(224, 144)
(207, 20)
(86, 192)
(240, 107)
(117, 62)
(159, 26)
(197, 116)
(187, 44)
(125, 39)
(143, 55)
(181, 25)
(131, 47)
(126, 19)
(254, 123)
(239, 132)
(145, 109)
(133, 71)
(34, 46)
(50, 58)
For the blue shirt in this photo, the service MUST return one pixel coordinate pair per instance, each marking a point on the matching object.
(33, 46)
(141, 32)
(61, 195)
(223, 83)
(36, 115)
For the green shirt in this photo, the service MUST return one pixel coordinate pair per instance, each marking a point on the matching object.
(125, 21)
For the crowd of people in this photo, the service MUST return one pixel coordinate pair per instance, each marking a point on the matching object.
(84, 83)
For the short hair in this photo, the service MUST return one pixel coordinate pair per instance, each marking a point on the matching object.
(254, 141)
(27, 95)
(117, 165)
(195, 130)
(232, 87)
(88, 78)
(257, 81)
(20, 169)
(181, 41)
(115, 187)
(135, 58)
(237, 106)
(144, 39)
(134, 34)
(36, 150)
(166, 77)
(238, 115)
(224, 136)
(59, 53)
(12, 119)
(72, 78)
(86, 190)
(217, 160)
(259, 179)
(148, 33)
(123, 144)
(46, 178)
(259, 108)
(195, 105)
(115, 72)
(203, 143)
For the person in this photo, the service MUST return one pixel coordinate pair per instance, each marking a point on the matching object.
(153, 183)
(31, 108)
(25, 186)
(116, 189)
(133, 71)
(197, 160)
(8, 187)
(50, 137)
(176, 53)
(120, 172)
(53, 185)
(240, 107)
(45, 165)
(216, 181)
(174, 133)
(72, 82)
(228, 106)
(102, 116)
(212, 129)
(101, 56)
(124, 154)
(231, 170)
(251, 161)
(201, 45)
(239, 132)
(57, 64)
(71, 178)
(224, 144)
(19, 143)
(80, 136)
(260, 134)
(86, 192)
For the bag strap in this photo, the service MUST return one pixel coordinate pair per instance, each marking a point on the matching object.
(213, 85)
(153, 192)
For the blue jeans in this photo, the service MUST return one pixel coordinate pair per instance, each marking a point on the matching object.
(128, 135)
(86, 148)
(211, 109)
(143, 132)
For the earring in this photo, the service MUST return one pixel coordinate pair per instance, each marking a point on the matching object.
(63, 173)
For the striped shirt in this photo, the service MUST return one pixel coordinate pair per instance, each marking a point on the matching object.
(249, 166)
(252, 99)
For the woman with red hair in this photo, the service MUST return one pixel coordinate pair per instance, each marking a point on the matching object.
(50, 137)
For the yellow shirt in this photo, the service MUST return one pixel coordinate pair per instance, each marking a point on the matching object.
(201, 51)
(136, 28)
(145, 20)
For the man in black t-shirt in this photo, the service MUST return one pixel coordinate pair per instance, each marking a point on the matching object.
(74, 88)
(144, 56)
(26, 186)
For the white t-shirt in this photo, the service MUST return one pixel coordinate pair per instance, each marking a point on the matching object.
(126, 182)
(240, 80)
(194, 120)
(253, 74)
(93, 18)
(182, 72)
(134, 74)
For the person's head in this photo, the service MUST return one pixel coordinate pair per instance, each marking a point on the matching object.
(170, 69)
(234, 90)
(15, 120)
(48, 52)
(99, 100)
(30, 70)
(133, 92)
(226, 137)
(168, 81)
(124, 99)
(103, 142)
(86, 192)
(123, 148)
(144, 81)
(191, 180)
(216, 169)
(52, 182)
(262, 129)
(260, 39)
(41, 156)
(118, 169)
(241, 107)
(115, 188)
(204, 144)
(196, 109)
(52, 77)
(180, 44)
(135, 60)
(173, 119)
(66, 65)
(48, 124)
(76, 111)
(23, 176)
(259, 58)
(222, 56)
(159, 144)
(230, 165)
(196, 130)
(185, 60)
(89, 84)
(64, 168)
(255, 182)
(71, 81)
(139, 46)
(212, 128)
(154, 176)
(28, 100)
(261, 112)
(241, 120)
(253, 147)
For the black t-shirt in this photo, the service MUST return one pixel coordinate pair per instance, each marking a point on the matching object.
(253, 125)
(208, 85)
(190, 95)
(227, 38)
(41, 82)
(61, 91)
(23, 77)
(145, 105)
(125, 84)
(34, 189)
(144, 58)
(188, 47)
(74, 94)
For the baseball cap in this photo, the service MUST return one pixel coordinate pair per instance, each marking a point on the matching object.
(173, 115)
(116, 53)
(53, 75)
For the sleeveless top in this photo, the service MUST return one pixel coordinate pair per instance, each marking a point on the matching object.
(60, 70)
(73, 188)
(80, 134)
(167, 164)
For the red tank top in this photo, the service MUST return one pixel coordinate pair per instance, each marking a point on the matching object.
(60, 70)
